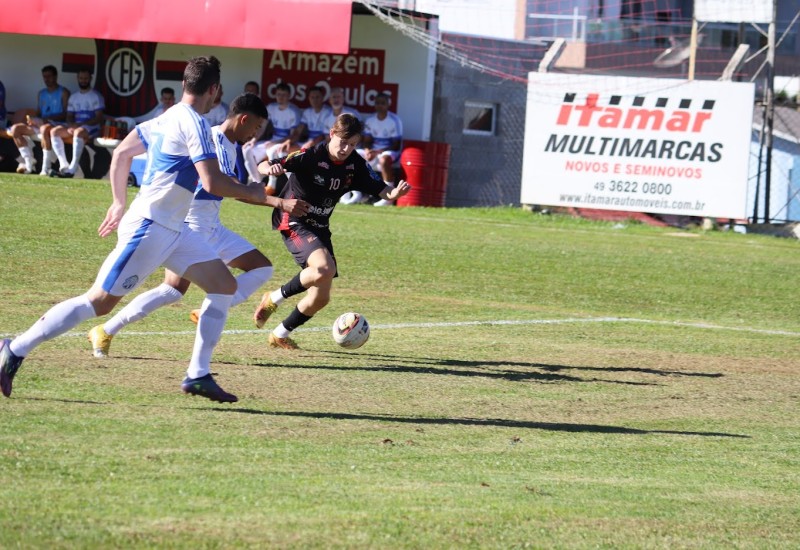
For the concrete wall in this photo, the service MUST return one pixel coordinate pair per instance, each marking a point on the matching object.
(484, 170)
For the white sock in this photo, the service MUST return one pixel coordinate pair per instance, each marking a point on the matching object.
(77, 151)
(281, 332)
(277, 297)
(27, 157)
(48, 158)
(213, 314)
(58, 320)
(249, 282)
(58, 146)
(142, 306)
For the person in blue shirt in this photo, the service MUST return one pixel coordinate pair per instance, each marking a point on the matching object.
(51, 109)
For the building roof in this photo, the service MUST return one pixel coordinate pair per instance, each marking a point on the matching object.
(785, 123)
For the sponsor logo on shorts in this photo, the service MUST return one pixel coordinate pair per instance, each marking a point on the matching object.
(130, 282)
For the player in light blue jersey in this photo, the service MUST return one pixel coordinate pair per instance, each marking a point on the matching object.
(84, 118)
(152, 233)
(245, 116)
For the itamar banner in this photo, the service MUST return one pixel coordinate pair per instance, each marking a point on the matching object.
(640, 145)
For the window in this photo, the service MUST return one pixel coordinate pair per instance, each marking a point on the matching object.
(479, 118)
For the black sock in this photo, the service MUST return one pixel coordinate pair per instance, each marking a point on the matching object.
(293, 287)
(294, 320)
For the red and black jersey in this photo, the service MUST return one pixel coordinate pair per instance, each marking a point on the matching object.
(321, 182)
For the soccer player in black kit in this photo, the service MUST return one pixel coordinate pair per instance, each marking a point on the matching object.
(319, 176)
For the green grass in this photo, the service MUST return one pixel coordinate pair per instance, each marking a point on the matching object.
(643, 393)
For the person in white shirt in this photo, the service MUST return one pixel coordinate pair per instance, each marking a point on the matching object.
(84, 117)
(152, 233)
(383, 140)
(315, 118)
(167, 101)
(285, 118)
(336, 101)
(218, 112)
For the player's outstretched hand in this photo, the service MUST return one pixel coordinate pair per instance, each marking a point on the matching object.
(111, 221)
(295, 207)
(400, 189)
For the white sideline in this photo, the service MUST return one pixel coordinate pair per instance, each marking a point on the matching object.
(705, 326)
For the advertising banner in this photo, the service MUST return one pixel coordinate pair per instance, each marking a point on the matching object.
(639, 145)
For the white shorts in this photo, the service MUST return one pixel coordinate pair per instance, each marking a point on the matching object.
(228, 244)
(142, 246)
(376, 162)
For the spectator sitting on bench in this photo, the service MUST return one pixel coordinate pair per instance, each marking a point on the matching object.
(51, 109)
(167, 101)
(381, 144)
(84, 117)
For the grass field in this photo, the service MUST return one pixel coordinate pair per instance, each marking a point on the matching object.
(530, 381)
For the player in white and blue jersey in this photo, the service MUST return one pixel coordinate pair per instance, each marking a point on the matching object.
(245, 116)
(285, 118)
(152, 233)
(315, 119)
(336, 102)
(84, 118)
(383, 139)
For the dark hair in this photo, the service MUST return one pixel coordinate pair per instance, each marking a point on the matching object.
(50, 69)
(253, 83)
(167, 90)
(200, 74)
(319, 89)
(85, 70)
(283, 86)
(347, 126)
(248, 103)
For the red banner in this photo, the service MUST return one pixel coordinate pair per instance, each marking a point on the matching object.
(360, 72)
(300, 25)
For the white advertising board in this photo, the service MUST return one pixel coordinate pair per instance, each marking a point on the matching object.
(638, 145)
(733, 11)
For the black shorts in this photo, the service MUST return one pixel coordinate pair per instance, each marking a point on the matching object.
(301, 241)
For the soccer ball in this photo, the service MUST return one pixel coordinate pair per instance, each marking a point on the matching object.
(350, 330)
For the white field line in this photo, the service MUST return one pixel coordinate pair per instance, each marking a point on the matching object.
(704, 326)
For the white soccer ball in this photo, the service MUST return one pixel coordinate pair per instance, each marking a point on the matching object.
(350, 330)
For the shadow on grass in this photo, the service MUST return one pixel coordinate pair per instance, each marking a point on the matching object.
(511, 375)
(490, 364)
(61, 400)
(497, 422)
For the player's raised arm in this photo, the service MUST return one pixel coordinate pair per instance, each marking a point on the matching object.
(121, 161)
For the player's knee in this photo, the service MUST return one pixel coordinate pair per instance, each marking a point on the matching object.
(228, 286)
(326, 273)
